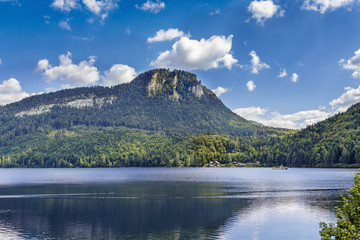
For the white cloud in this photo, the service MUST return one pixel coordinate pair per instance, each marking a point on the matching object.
(250, 86)
(326, 5)
(250, 112)
(346, 100)
(256, 63)
(216, 12)
(263, 10)
(64, 24)
(47, 19)
(87, 39)
(294, 121)
(65, 5)
(282, 73)
(151, 6)
(220, 90)
(189, 54)
(11, 91)
(82, 74)
(14, 2)
(119, 74)
(0, 61)
(167, 35)
(352, 63)
(101, 7)
(294, 77)
(67, 86)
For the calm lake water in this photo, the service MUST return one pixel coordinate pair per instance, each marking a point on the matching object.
(169, 203)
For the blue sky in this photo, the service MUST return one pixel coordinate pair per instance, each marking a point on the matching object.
(281, 63)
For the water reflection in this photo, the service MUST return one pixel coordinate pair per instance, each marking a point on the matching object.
(114, 218)
(229, 208)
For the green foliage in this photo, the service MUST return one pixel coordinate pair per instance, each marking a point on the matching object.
(158, 120)
(158, 100)
(102, 147)
(334, 142)
(348, 217)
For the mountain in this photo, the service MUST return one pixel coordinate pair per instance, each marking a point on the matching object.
(162, 118)
(157, 110)
(160, 100)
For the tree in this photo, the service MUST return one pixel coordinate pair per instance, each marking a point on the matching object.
(348, 217)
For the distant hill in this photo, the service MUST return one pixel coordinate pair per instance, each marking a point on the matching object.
(334, 142)
(159, 103)
(162, 118)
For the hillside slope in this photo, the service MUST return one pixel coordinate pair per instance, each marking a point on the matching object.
(156, 100)
(102, 126)
(334, 142)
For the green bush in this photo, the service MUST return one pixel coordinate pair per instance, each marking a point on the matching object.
(348, 217)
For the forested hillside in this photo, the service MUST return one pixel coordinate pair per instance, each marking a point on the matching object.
(162, 118)
(334, 142)
(43, 130)
(158, 100)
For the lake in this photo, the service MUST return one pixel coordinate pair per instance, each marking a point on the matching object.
(169, 203)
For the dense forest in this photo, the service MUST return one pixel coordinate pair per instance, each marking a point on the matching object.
(162, 118)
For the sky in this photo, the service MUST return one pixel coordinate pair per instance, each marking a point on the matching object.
(281, 63)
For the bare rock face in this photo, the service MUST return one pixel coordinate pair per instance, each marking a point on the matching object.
(154, 85)
(197, 90)
(78, 103)
(174, 84)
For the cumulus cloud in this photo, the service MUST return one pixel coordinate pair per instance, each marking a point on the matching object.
(82, 74)
(282, 73)
(64, 24)
(153, 7)
(250, 113)
(294, 77)
(250, 86)
(11, 91)
(65, 5)
(101, 7)
(294, 121)
(220, 90)
(0, 61)
(119, 74)
(263, 10)
(167, 35)
(326, 5)
(352, 63)
(189, 54)
(346, 100)
(256, 63)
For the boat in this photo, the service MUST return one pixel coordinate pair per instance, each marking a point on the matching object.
(280, 168)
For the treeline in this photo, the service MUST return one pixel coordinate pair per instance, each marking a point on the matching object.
(122, 147)
(166, 126)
